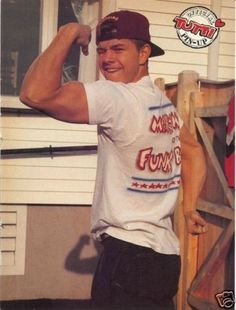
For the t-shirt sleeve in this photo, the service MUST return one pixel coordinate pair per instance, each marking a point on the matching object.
(101, 98)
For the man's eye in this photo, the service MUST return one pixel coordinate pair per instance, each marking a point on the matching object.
(101, 50)
(118, 49)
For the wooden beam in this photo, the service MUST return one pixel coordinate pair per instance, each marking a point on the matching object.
(216, 209)
(216, 111)
(187, 84)
(215, 257)
(220, 83)
(216, 165)
(200, 303)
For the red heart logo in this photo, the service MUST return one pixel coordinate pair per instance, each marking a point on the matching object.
(219, 23)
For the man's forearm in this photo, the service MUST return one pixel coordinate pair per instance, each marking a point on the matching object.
(193, 177)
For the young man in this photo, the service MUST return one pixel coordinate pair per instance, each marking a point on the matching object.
(143, 147)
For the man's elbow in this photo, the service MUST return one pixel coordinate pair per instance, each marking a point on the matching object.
(24, 98)
(30, 99)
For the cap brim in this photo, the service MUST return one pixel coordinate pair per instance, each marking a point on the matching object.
(156, 50)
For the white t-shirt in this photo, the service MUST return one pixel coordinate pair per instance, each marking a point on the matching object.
(139, 161)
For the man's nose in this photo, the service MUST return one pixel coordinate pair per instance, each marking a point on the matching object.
(109, 55)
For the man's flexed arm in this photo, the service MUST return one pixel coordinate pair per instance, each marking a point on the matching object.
(42, 88)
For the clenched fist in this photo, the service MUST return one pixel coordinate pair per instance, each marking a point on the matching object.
(195, 223)
(81, 34)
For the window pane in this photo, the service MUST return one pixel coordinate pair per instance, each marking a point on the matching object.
(66, 14)
(20, 28)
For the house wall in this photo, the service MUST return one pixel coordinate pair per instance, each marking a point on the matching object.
(60, 256)
(226, 65)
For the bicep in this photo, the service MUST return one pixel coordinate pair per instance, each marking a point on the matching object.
(68, 104)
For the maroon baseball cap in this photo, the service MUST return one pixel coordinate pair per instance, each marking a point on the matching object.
(126, 25)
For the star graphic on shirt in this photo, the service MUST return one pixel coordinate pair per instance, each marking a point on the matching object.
(135, 184)
(152, 186)
(144, 185)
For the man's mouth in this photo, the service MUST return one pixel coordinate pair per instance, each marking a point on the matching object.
(110, 70)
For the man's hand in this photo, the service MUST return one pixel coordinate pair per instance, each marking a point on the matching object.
(195, 223)
(81, 34)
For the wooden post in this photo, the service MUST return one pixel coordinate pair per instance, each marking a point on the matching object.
(160, 82)
(187, 84)
(195, 100)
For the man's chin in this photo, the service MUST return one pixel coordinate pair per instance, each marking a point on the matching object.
(113, 78)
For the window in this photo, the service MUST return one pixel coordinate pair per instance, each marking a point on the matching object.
(66, 14)
(28, 26)
(19, 45)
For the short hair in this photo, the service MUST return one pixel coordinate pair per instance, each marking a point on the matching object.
(139, 43)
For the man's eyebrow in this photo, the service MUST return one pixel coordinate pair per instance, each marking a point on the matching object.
(117, 45)
(112, 46)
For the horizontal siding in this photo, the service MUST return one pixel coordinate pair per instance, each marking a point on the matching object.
(228, 3)
(225, 73)
(47, 198)
(183, 57)
(227, 61)
(228, 11)
(56, 173)
(226, 49)
(227, 42)
(21, 132)
(227, 37)
(166, 71)
(65, 162)
(32, 139)
(47, 180)
(48, 185)
(159, 6)
(37, 185)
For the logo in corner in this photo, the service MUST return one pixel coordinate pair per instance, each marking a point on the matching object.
(226, 299)
(198, 27)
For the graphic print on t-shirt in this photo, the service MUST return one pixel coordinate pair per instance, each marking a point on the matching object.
(164, 163)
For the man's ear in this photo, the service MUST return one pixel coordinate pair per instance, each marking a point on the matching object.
(144, 54)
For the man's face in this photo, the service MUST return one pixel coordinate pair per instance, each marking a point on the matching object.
(119, 60)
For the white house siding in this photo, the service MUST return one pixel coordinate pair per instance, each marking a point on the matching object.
(179, 57)
(227, 41)
(50, 179)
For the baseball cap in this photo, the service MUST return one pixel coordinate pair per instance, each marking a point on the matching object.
(126, 25)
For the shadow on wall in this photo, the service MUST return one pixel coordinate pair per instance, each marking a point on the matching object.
(75, 263)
